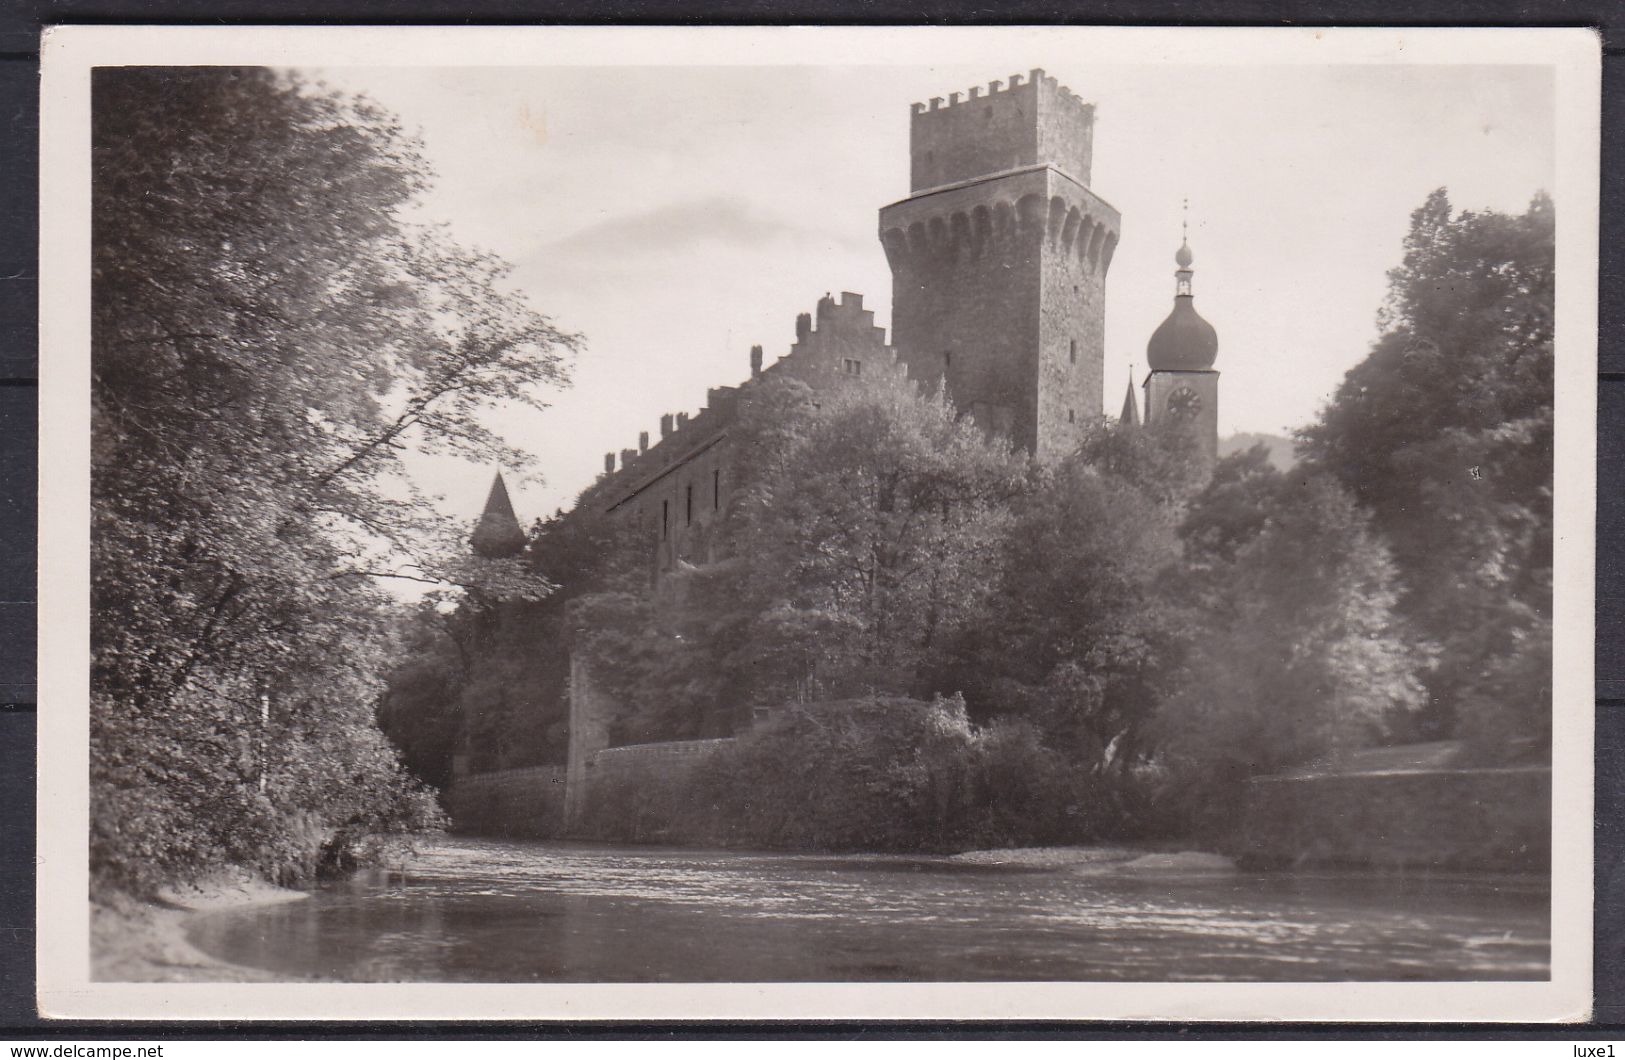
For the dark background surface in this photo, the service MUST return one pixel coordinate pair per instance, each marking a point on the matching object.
(20, 25)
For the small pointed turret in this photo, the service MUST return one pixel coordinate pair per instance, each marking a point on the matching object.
(498, 534)
(1130, 416)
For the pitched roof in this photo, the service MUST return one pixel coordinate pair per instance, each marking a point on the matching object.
(498, 533)
(1131, 409)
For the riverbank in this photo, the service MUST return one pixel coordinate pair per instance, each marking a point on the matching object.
(1046, 857)
(465, 910)
(137, 941)
(1167, 858)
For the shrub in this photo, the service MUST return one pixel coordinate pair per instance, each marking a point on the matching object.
(874, 774)
(1028, 794)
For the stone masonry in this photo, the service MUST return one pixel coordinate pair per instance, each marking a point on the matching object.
(999, 259)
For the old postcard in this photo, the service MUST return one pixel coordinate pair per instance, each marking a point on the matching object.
(817, 523)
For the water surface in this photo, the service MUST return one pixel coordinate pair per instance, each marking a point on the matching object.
(466, 910)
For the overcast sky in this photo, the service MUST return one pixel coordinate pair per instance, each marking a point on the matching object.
(677, 215)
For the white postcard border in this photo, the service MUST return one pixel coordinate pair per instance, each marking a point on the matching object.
(69, 53)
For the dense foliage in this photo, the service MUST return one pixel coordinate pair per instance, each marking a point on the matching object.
(269, 336)
(1116, 626)
(862, 528)
(876, 773)
(927, 641)
(1295, 650)
(1074, 638)
(1444, 433)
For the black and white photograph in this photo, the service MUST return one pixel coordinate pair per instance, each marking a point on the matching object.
(974, 523)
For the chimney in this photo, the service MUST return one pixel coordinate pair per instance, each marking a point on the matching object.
(803, 325)
(627, 456)
(755, 361)
(643, 441)
(609, 463)
(682, 420)
(665, 425)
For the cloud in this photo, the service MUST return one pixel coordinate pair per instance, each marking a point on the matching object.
(681, 226)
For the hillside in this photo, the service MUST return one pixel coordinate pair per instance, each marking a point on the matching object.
(1281, 449)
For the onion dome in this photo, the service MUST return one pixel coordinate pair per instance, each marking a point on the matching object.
(498, 534)
(1184, 342)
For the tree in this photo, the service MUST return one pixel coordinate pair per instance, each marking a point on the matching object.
(418, 708)
(270, 335)
(1074, 640)
(859, 531)
(1444, 432)
(872, 531)
(1297, 652)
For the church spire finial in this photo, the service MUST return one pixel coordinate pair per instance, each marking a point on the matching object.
(1183, 256)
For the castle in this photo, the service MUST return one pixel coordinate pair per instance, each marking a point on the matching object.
(999, 257)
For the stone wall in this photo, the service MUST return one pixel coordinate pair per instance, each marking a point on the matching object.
(532, 802)
(508, 802)
(1026, 120)
(1447, 819)
(650, 761)
(998, 294)
(677, 490)
(590, 710)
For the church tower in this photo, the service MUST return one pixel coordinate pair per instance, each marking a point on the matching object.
(1182, 391)
(999, 258)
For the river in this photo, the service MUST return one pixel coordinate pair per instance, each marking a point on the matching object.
(468, 910)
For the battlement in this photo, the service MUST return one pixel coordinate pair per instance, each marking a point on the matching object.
(848, 310)
(994, 88)
(837, 342)
(1016, 214)
(1021, 122)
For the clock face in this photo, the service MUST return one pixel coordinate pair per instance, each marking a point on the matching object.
(1184, 403)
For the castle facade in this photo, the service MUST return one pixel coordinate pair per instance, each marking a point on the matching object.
(999, 257)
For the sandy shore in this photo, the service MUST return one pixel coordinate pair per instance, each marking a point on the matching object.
(1047, 857)
(1100, 859)
(133, 941)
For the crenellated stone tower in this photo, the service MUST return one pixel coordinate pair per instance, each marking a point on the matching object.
(999, 258)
